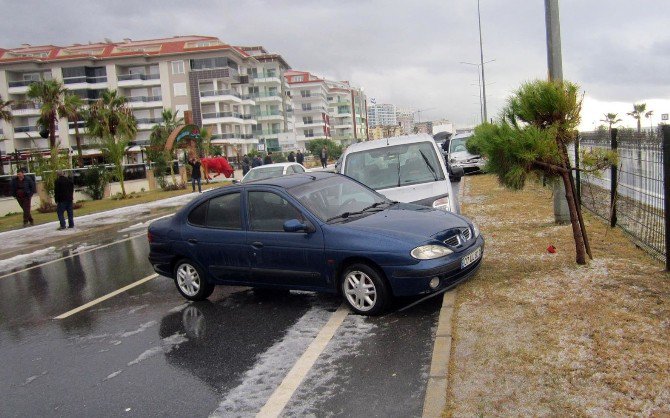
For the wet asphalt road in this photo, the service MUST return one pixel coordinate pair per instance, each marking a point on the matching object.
(146, 352)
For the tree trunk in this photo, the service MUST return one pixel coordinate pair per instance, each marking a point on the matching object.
(80, 157)
(574, 220)
(52, 131)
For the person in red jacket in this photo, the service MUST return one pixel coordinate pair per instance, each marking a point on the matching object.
(64, 196)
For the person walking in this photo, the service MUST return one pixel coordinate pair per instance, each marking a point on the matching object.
(291, 157)
(257, 162)
(245, 165)
(23, 188)
(64, 197)
(268, 158)
(324, 157)
(300, 158)
(196, 175)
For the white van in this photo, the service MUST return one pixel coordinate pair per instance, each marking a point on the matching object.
(408, 169)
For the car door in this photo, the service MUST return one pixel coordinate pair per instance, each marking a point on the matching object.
(280, 258)
(216, 238)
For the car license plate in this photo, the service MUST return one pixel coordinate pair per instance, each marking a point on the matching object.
(471, 258)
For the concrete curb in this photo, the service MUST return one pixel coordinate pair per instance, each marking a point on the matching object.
(436, 390)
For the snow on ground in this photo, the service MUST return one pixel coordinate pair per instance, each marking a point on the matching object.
(21, 260)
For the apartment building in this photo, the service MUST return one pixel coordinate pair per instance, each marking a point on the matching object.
(326, 109)
(382, 114)
(238, 93)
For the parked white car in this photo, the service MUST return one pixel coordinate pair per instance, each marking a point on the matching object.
(272, 170)
(408, 169)
(460, 157)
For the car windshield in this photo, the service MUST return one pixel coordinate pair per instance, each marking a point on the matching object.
(395, 166)
(458, 145)
(338, 198)
(264, 173)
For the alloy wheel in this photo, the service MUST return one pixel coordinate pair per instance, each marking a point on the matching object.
(360, 290)
(188, 280)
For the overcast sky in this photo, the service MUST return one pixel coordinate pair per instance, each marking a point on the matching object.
(403, 52)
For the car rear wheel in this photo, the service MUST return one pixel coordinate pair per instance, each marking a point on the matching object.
(190, 281)
(364, 289)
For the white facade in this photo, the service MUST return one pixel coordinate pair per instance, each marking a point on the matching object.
(382, 114)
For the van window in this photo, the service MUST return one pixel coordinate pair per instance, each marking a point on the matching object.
(394, 166)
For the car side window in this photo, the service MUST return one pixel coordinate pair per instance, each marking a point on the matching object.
(224, 212)
(198, 216)
(268, 211)
(290, 170)
(298, 169)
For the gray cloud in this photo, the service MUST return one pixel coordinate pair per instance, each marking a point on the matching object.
(403, 52)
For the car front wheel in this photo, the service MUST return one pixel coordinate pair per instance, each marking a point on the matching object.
(190, 281)
(364, 290)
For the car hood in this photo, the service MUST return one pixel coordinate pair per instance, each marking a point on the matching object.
(406, 223)
(463, 156)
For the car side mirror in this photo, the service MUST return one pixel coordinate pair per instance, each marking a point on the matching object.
(236, 181)
(457, 171)
(294, 225)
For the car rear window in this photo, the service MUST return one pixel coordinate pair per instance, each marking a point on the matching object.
(264, 173)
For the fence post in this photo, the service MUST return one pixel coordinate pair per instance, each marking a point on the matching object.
(666, 192)
(613, 180)
(578, 176)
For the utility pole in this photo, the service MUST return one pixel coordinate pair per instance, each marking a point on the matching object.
(555, 66)
(481, 62)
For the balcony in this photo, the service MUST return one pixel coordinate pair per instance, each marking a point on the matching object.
(267, 132)
(313, 109)
(26, 109)
(148, 123)
(312, 124)
(129, 80)
(19, 87)
(84, 82)
(145, 101)
(209, 96)
(261, 97)
(266, 77)
(228, 117)
(26, 131)
(234, 138)
(276, 115)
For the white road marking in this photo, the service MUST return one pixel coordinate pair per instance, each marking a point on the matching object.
(105, 297)
(277, 402)
(72, 255)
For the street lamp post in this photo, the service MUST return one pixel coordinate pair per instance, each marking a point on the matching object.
(481, 62)
(482, 88)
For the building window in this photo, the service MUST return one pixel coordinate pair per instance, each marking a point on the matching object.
(297, 78)
(306, 106)
(307, 120)
(305, 93)
(271, 72)
(309, 133)
(179, 89)
(180, 109)
(177, 67)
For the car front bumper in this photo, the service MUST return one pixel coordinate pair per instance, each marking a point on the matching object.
(414, 280)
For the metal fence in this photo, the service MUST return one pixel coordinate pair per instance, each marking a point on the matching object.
(630, 195)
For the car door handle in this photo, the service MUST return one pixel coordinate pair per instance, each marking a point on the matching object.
(192, 240)
(257, 244)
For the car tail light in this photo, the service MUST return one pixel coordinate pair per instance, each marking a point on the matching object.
(150, 237)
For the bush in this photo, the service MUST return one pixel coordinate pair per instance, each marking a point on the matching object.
(95, 179)
(334, 150)
(178, 186)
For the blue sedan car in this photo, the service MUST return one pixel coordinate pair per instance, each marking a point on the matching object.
(314, 231)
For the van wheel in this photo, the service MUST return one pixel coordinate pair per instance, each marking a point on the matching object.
(364, 289)
(190, 281)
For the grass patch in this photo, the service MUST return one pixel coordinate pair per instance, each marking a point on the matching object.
(536, 334)
(15, 221)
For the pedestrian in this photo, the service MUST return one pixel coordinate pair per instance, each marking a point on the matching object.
(257, 162)
(324, 157)
(196, 175)
(291, 157)
(23, 188)
(300, 158)
(268, 158)
(64, 196)
(245, 165)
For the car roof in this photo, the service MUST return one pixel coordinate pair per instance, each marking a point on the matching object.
(384, 142)
(274, 165)
(292, 180)
(464, 135)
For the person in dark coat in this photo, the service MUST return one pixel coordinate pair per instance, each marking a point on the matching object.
(64, 197)
(268, 158)
(300, 158)
(257, 162)
(196, 174)
(291, 157)
(324, 157)
(23, 189)
(245, 165)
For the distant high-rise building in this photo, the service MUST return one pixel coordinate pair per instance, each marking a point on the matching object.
(382, 114)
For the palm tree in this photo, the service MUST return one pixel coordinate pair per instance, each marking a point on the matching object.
(160, 133)
(638, 111)
(611, 119)
(110, 120)
(71, 108)
(6, 115)
(648, 116)
(49, 93)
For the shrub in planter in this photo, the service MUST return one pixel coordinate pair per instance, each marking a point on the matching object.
(95, 179)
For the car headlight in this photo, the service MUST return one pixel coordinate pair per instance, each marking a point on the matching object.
(443, 204)
(475, 230)
(429, 252)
